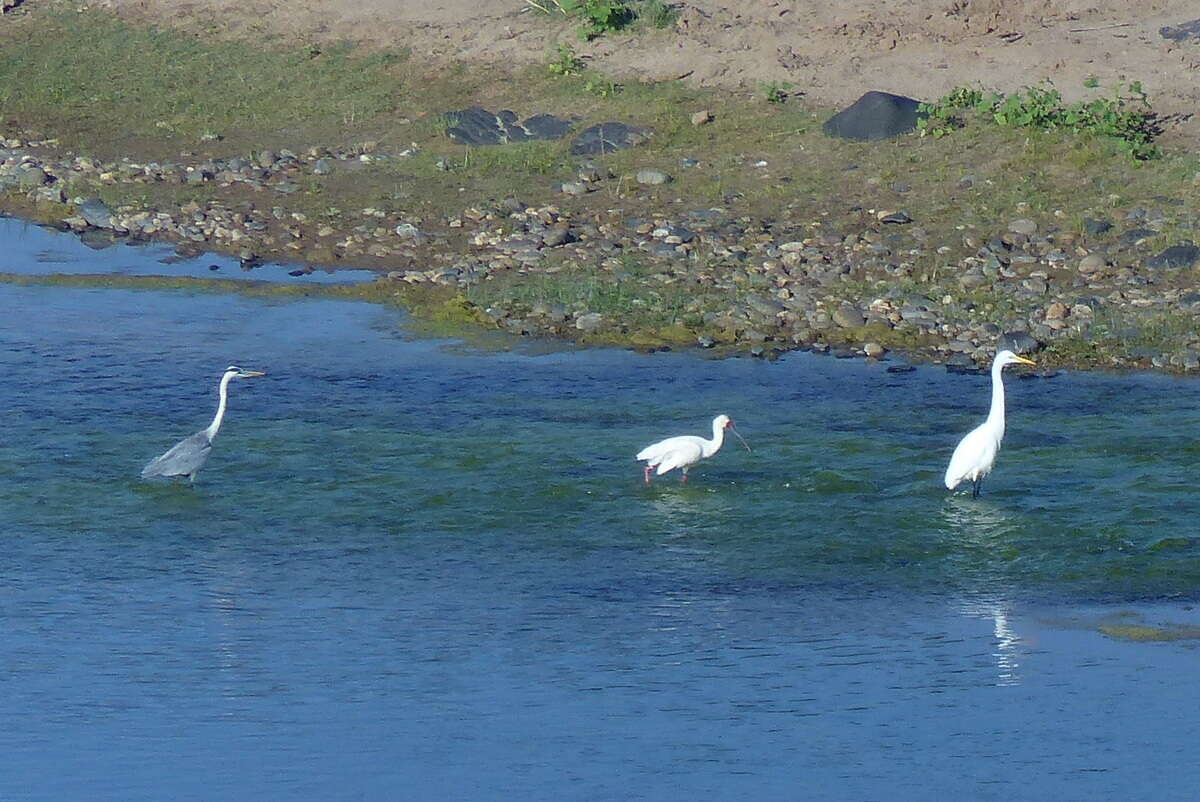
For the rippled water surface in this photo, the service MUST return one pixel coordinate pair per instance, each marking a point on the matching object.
(415, 569)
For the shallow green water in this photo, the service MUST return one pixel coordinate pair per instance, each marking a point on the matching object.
(414, 569)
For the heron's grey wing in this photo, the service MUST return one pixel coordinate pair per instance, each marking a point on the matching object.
(183, 459)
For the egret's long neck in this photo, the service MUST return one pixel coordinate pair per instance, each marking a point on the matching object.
(995, 418)
(213, 427)
(714, 445)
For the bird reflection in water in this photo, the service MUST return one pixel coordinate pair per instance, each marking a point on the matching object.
(985, 527)
(1006, 652)
(682, 512)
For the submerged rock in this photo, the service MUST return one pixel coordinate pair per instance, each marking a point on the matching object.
(97, 239)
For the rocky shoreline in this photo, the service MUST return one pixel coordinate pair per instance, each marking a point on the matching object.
(871, 281)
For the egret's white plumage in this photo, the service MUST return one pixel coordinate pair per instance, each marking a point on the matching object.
(686, 450)
(188, 456)
(976, 453)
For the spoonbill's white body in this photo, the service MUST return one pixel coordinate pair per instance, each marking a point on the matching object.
(976, 453)
(686, 450)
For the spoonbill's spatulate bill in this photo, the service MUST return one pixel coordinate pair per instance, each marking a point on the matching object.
(188, 456)
(976, 453)
(686, 450)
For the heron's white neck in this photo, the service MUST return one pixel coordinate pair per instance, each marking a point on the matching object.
(712, 446)
(995, 418)
(223, 392)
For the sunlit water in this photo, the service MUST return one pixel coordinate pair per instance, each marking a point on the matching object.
(414, 569)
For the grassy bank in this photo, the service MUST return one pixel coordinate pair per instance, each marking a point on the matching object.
(93, 85)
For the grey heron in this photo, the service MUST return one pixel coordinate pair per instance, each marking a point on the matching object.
(188, 456)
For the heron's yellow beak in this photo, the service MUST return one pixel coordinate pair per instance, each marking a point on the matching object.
(1024, 361)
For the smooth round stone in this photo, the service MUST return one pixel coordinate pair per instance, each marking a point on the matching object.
(652, 177)
(1023, 226)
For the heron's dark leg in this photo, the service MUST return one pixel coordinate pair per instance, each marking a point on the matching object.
(975, 485)
(646, 473)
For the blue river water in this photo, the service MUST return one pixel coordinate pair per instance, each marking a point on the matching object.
(423, 569)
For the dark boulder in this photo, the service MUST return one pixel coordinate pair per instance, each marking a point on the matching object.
(477, 126)
(1137, 235)
(1175, 257)
(874, 116)
(608, 138)
(546, 126)
(1181, 32)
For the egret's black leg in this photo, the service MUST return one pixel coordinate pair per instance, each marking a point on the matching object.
(978, 483)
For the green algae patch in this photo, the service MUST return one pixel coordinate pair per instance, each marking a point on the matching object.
(1173, 544)
(676, 335)
(888, 338)
(666, 335)
(186, 283)
(442, 311)
(247, 287)
(1149, 634)
(455, 309)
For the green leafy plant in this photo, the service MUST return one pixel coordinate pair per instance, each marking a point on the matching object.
(774, 91)
(565, 61)
(598, 17)
(601, 86)
(1125, 117)
(1091, 82)
(940, 118)
(1039, 107)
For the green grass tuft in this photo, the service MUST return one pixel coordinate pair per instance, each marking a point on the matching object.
(115, 81)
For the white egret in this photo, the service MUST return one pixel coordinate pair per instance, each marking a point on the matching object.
(976, 453)
(188, 456)
(686, 450)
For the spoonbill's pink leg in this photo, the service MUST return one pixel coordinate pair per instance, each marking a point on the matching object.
(646, 473)
(684, 480)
